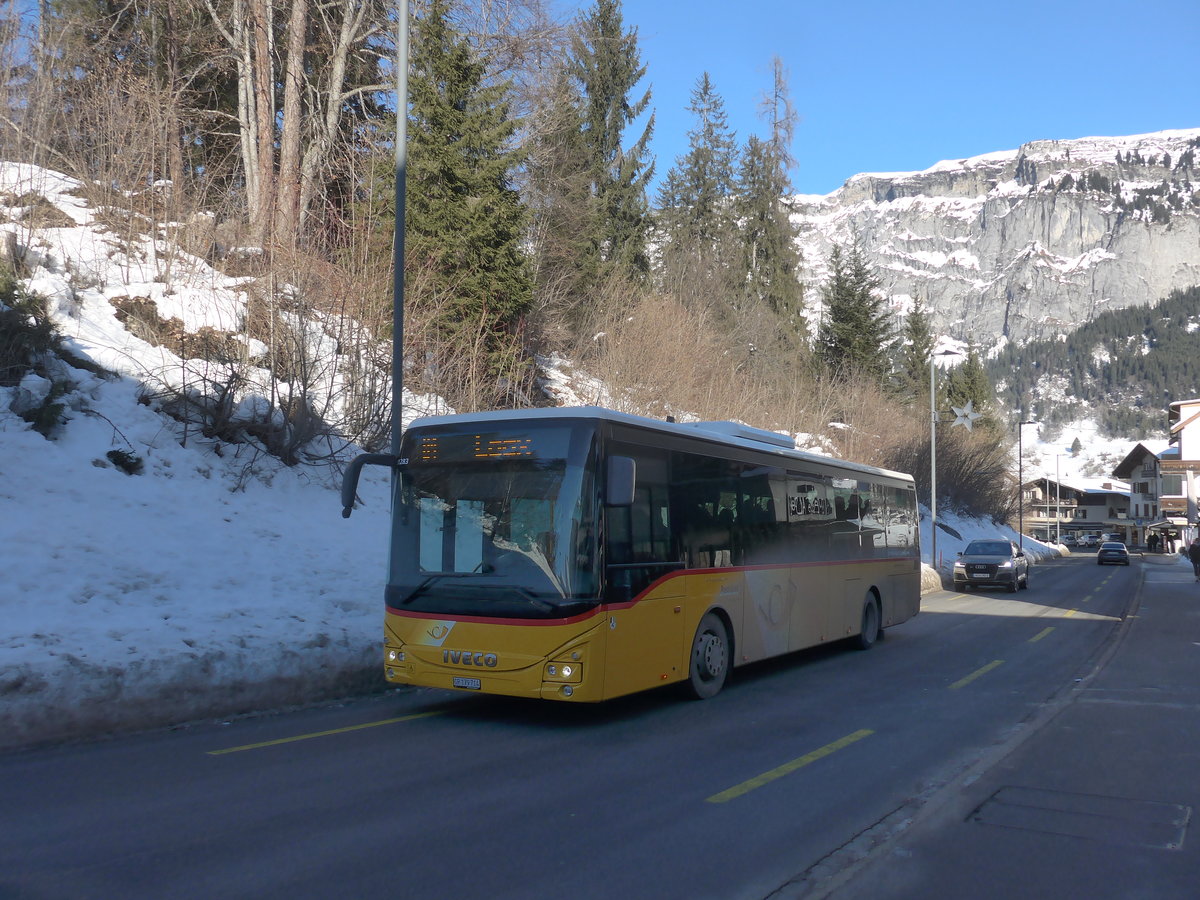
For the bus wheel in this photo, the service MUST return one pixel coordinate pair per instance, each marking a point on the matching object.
(870, 624)
(709, 665)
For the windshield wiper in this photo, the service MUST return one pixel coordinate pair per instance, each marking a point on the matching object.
(534, 600)
(430, 579)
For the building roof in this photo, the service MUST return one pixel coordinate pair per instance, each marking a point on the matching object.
(1093, 486)
(1133, 458)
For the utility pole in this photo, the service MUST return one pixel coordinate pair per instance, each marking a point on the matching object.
(1021, 484)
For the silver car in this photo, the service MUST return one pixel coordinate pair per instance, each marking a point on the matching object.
(991, 563)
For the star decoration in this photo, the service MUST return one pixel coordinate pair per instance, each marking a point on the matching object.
(966, 415)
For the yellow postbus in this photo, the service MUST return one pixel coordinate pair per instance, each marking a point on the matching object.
(580, 554)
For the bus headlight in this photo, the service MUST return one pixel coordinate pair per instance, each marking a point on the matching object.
(571, 672)
(394, 655)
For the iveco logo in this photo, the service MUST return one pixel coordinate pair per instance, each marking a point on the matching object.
(467, 658)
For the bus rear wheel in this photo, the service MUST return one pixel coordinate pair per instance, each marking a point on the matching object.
(709, 665)
(871, 631)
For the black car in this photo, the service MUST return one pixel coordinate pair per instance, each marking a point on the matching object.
(991, 562)
(1112, 552)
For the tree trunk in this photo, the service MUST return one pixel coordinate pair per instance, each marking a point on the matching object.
(262, 78)
(354, 28)
(288, 223)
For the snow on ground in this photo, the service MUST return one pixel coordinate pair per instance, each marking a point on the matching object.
(215, 582)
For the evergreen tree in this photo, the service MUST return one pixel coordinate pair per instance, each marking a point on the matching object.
(912, 378)
(771, 261)
(559, 192)
(606, 64)
(695, 212)
(465, 221)
(968, 383)
(856, 332)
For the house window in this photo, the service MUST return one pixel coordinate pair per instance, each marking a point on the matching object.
(1172, 485)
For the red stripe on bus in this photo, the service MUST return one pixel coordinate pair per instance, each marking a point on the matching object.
(492, 620)
(627, 604)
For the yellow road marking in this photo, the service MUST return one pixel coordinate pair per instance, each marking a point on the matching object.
(963, 682)
(1041, 634)
(317, 734)
(1070, 612)
(787, 768)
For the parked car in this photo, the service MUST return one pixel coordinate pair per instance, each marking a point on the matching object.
(991, 563)
(1112, 536)
(1113, 552)
(1090, 540)
(1069, 539)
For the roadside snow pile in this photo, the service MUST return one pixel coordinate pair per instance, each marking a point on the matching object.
(215, 581)
(205, 586)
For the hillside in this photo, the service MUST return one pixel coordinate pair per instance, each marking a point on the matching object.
(1121, 369)
(1022, 244)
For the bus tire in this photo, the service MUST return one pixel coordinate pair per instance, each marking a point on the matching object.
(870, 632)
(708, 667)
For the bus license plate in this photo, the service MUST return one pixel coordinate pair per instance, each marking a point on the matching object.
(472, 683)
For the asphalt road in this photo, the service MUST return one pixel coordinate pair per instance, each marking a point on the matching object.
(791, 774)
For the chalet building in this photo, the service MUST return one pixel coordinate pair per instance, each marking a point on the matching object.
(1060, 509)
(1179, 465)
(1156, 493)
(1140, 468)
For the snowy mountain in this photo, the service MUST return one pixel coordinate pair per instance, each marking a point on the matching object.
(1025, 243)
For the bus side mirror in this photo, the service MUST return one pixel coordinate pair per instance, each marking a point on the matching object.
(354, 469)
(622, 471)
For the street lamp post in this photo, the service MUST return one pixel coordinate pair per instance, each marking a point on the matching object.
(1057, 502)
(965, 417)
(1021, 484)
(933, 417)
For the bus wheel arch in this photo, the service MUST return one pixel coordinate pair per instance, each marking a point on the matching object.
(711, 655)
(871, 630)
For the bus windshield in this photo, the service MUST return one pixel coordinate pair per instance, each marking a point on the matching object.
(496, 523)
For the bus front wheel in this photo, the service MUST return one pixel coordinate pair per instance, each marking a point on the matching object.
(871, 631)
(709, 666)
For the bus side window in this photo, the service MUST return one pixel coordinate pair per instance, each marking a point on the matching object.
(641, 532)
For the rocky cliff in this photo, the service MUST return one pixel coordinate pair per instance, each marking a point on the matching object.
(1025, 243)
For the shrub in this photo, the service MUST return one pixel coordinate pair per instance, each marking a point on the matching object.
(26, 333)
(128, 462)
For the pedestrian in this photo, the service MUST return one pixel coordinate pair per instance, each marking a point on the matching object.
(1152, 542)
(1193, 553)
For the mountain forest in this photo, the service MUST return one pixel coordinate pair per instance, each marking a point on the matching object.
(1121, 369)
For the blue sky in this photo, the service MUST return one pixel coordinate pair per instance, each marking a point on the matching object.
(887, 87)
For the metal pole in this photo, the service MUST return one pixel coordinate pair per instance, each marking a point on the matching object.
(1021, 483)
(1057, 502)
(398, 238)
(932, 468)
